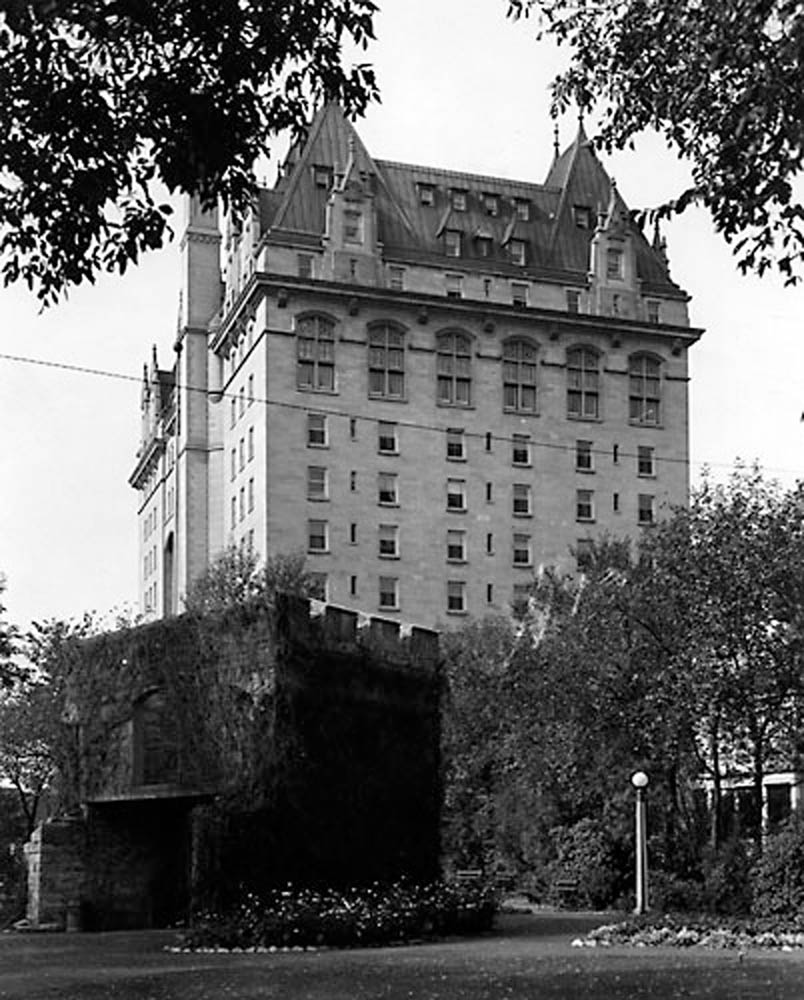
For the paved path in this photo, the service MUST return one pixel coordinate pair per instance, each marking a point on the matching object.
(528, 957)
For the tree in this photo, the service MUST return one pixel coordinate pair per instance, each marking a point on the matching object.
(721, 81)
(236, 578)
(103, 101)
(10, 669)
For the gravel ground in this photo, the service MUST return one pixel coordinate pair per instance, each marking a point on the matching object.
(529, 956)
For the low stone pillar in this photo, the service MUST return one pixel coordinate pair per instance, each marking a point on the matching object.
(56, 872)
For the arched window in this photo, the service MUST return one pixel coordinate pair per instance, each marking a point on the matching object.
(519, 376)
(583, 383)
(454, 368)
(644, 393)
(386, 362)
(315, 340)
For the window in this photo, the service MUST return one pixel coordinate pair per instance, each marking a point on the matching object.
(573, 300)
(456, 445)
(584, 461)
(489, 544)
(458, 199)
(251, 494)
(491, 204)
(353, 428)
(386, 362)
(519, 294)
(519, 376)
(614, 264)
(250, 389)
(233, 419)
(318, 586)
(615, 502)
(452, 242)
(389, 593)
(489, 440)
(426, 194)
(489, 493)
(317, 536)
(233, 519)
(304, 265)
(521, 500)
(646, 509)
(234, 464)
(483, 244)
(388, 541)
(454, 367)
(518, 252)
(250, 444)
(353, 586)
(489, 593)
(352, 226)
(643, 389)
(353, 533)
(387, 440)
(520, 450)
(522, 209)
(156, 740)
(396, 278)
(646, 465)
(453, 285)
(583, 383)
(317, 483)
(486, 288)
(523, 551)
(584, 551)
(387, 489)
(582, 216)
(242, 502)
(456, 494)
(584, 505)
(456, 597)
(316, 430)
(353, 481)
(520, 600)
(241, 452)
(653, 310)
(615, 454)
(456, 546)
(322, 176)
(242, 400)
(316, 354)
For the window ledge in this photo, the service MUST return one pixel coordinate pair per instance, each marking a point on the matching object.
(389, 454)
(387, 503)
(646, 475)
(321, 447)
(385, 555)
(521, 412)
(456, 510)
(387, 399)
(388, 607)
(584, 420)
(457, 562)
(517, 513)
(585, 520)
(318, 552)
(318, 499)
(317, 392)
(453, 611)
(585, 472)
(453, 458)
(653, 425)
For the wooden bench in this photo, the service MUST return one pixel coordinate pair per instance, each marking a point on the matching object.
(566, 888)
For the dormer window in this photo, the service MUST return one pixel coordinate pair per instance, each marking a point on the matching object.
(483, 246)
(491, 203)
(522, 209)
(452, 242)
(582, 216)
(653, 311)
(352, 226)
(426, 194)
(518, 252)
(614, 264)
(322, 177)
(458, 199)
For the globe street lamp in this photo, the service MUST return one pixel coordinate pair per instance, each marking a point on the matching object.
(640, 783)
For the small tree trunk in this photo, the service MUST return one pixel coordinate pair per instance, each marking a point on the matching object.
(759, 774)
(715, 836)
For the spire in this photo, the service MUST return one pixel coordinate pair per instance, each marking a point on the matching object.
(556, 142)
(659, 244)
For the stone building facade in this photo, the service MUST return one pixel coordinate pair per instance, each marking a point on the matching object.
(430, 382)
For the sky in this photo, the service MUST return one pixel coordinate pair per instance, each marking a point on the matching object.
(462, 88)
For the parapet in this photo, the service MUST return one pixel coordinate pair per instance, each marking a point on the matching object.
(327, 626)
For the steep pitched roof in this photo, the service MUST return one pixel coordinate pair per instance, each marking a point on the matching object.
(411, 228)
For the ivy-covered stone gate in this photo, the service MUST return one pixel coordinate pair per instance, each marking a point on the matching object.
(267, 745)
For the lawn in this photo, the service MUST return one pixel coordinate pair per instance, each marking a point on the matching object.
(528, 957)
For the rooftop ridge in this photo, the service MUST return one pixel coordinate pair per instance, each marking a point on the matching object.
(444, 171)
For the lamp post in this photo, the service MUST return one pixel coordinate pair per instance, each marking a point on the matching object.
(640, 783)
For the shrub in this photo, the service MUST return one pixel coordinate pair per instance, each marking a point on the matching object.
(586, 853)
(669, 893)
(377, 914)
(727, 878)
(778, 876)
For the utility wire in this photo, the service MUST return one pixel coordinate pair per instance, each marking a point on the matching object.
(317, 407)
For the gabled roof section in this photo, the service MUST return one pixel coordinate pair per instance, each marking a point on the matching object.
(585, 184)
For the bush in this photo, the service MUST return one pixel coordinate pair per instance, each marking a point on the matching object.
(727, 878)
(586, 853)
(778, 876)
(668, 893)
(378, 914)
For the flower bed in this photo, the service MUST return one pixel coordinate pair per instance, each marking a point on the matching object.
(682, 931)
(309, 918)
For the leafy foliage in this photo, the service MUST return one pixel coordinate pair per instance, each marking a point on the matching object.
(721, 81)
(377, 914)
(778, 879)
(10, 669)
(105, 102)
